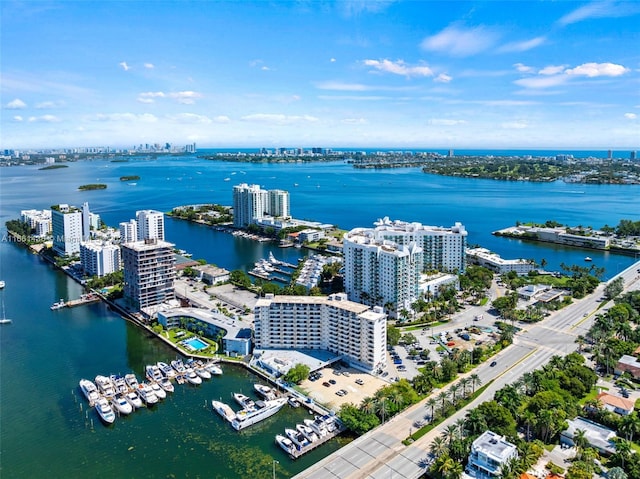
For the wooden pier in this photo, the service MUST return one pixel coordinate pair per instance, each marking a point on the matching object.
(84, 299)
(299, 452)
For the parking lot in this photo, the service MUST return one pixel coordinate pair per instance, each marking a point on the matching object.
(356, 384)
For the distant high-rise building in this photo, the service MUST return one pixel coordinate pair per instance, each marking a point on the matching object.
(450, 153)
(355, 331)
(632, 155)
(609, 154)
(149, 273)
(279, 204)
(444, 248)
(99, 259)
(40, 221)
(128, 231)
(66, 222)
(379, 272)
(150, 225)
(249, 204)
(86, 221)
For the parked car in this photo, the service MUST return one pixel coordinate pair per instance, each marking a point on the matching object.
(326, 384)
(493, 363)
(332, 381)
(359, 381)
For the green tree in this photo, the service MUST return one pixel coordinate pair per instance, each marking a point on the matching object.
(240, 278)
(393, 335)
(614, 288)
(297, 373)
(357, 419)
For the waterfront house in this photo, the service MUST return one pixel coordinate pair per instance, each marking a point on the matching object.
(489, 452)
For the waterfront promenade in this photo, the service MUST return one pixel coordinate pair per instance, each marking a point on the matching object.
(381, 454)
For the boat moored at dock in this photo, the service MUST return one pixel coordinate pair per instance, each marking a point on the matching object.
(245, 401)
(285, 443)
(307, 432)
(120, 404)
(104, 411)
(133, 399)
(90, 391)
(105, 386)
(298, 438)
(246, 418)
(265, 391)
(224, 410)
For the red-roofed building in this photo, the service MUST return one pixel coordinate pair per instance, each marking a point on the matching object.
(616, 404)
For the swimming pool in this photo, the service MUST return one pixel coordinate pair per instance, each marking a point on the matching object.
(195, 343)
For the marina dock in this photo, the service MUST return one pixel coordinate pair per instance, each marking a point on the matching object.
(84, 299)
(297, 453)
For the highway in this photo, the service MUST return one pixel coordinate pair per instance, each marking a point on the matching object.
(381, 454)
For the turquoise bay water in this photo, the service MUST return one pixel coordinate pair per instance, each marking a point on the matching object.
(44, 353)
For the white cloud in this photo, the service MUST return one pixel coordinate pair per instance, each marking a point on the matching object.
(598, 69)
(552, 70)
(542, 82)
(149, 66)
(354, 97)
(44, 119)
(332, 60)
(222, 119)
(600, 9)
(443, 78)
(351, 8)
(339, 86)
(446, 122)
(523, 46)
(461, 42)
(16, 104)
(130, 117)
(189, 118)
(124, 66)
(630, 116)
(278, 119)
(353, 121)
(514, 125)
(523, 68)
(399, 67)
(48, 105)
(185, 97)
(17, 118)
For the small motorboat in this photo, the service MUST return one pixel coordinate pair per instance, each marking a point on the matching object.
(133, 399)
(104, 411)
(120, 404)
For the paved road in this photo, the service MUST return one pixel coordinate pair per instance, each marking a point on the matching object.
(381, 454)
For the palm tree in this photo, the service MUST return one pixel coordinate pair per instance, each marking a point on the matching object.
(465, 382)
(368, 405)
(475, 381)
(580, 440)
(397, 398)
(442, 397)
(528, 418)
(630, 425)
(616, 473)
(453, 389)
(623, 450)
(431, 402)
(438, 447)
(450, 433)
(475, 422)
(382, 407)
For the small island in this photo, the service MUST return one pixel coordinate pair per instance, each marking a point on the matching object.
(129, 178)
(53, 167)
(93, 186)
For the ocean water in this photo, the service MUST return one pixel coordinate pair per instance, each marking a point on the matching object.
(43, 353)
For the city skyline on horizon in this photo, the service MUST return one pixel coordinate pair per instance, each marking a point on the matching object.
(336, 74)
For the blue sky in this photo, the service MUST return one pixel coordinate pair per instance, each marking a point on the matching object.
(405, 74)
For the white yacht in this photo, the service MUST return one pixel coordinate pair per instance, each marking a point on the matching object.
(224, 410)
(131, 381)
(104, 411)
(119, 384)
(307, 432)
(178, 366)
(133, 399)
(2, 284)
(213, 368)
(285, 443)
(58, 305)
(298, 438)
(120, 404)
(330, 421)
(167, 385)
(153, 373)
(105, 386)
(147, 394)
(192, 377)
(158, 391)
(245, 401)
(265, 391)
(167, 370)
(317, 425)
(246, 418)
(202, 372)
(89, 390)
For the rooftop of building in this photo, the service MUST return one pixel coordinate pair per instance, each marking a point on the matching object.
(235, 329)
(596, 434)
(494, 445)
(148, 245)
(616, 401)
(494, 257)
(211, 269)
(629, 360)
(338, 300)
